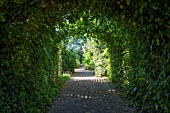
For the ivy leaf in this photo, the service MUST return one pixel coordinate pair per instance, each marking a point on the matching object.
(157, 42)
(136, 13)
(2, 19)
(123, 16)
(128, 2)
(121, 6)
(153, 6)
(141, 10)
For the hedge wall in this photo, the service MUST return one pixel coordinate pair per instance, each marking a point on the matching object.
(29, 57)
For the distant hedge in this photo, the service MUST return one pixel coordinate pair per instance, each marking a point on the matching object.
(68, 61)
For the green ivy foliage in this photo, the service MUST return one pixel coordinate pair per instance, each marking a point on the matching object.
(70, 55)
(29, 59)
(94, 58)
(69, 62)
(136, 34)
(88, 62)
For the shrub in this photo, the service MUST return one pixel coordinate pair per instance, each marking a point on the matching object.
(88, 62)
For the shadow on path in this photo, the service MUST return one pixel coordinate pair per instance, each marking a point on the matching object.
(85, 93)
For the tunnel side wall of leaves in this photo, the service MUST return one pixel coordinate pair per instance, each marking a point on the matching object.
(29, 58)
(140, 58)
(138, 37)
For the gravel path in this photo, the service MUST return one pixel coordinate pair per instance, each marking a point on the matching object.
(85, 93)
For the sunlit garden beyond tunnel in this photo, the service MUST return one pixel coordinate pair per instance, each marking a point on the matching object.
(50, 48)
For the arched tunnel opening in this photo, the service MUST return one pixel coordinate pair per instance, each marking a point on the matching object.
(134, 34)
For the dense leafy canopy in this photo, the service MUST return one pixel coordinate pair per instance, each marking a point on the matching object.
(137, 34)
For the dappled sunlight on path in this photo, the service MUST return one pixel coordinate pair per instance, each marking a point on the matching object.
(85, 93)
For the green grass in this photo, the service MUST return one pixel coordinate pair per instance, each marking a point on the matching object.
(64, 77)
